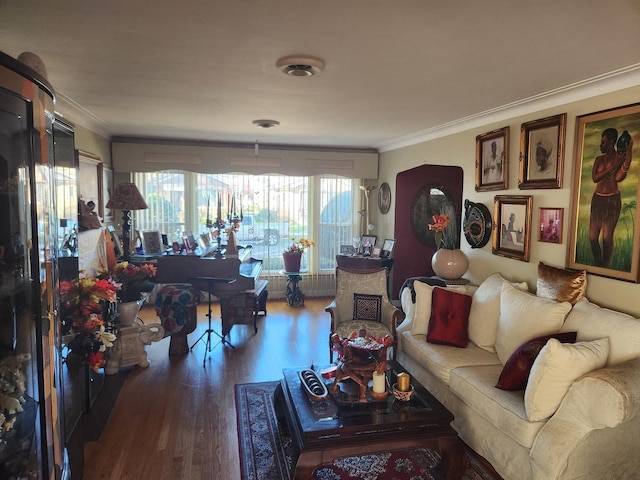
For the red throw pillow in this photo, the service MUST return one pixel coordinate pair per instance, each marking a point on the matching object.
(449, 321)
(515, 372)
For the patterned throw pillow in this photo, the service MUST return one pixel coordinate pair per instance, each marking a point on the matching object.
(367, 307)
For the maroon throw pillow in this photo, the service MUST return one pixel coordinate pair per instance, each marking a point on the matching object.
(449, 320)
(515, 372)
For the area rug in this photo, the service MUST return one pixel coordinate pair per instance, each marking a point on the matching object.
(265, 452)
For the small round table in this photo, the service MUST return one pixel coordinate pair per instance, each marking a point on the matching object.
(293, 294)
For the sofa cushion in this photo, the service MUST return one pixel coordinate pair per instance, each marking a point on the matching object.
(485, 311)
(524, 316)
(558, 365)
(592, 322)
(439, 360)
(515, 373)
(501, 408)
(560, 284)
(449, 318)
(422, 315)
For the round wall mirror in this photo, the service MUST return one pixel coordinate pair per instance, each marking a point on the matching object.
(429, 201)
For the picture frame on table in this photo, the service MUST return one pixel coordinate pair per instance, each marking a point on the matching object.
(542, 152)
(492, 160)
(551, 221)
(375, 252)
(387, 247)
(606, 243)
(369, 240)
(115, 240)
(152, 242)
(347, 250)
(512, 226)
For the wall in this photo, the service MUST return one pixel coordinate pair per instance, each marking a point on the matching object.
(459, 149)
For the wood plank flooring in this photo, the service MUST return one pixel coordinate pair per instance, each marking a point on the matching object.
(176, 419)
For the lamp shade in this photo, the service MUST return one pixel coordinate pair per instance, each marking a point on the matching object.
(127, 197)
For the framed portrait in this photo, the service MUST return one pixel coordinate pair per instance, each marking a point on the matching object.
(105, 188)
(551, 223)
(369, 240)
(375, 252)
(152, 242)
(384, 198)
(387, 248)
(347, 250)
(604, 209)
(542, 152)
(512, 226)
(492, 160)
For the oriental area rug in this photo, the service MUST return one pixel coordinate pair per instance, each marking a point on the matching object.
(265, 452)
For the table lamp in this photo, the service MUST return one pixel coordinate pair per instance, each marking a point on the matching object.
(126, 197)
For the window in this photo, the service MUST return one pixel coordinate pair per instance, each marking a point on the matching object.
(275, 208)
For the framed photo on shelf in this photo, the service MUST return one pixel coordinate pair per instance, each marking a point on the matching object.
(542, 152)
(375, 252)
(387, 248)
(551, 223)
(605, 181)
(152, 242)
(492, 160)
(368, 240)
(512, 226)
(347, 250)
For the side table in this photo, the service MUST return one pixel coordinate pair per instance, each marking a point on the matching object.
(293, 294)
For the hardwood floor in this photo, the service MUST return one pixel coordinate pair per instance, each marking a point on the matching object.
(177, 420)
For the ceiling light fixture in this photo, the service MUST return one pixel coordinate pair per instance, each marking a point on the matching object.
(264, 123)
(300, 66)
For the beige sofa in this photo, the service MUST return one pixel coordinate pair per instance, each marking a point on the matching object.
(590, 389)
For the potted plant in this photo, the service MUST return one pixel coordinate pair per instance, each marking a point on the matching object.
(292, 255)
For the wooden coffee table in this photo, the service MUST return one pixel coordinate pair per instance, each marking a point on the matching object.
(323, 431)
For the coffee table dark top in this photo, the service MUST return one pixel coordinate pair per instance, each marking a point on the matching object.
(336, 421)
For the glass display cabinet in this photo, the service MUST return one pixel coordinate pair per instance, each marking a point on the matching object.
(31, 445)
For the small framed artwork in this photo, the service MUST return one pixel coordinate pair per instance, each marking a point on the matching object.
(188, 246)
(384, 198)
(542, 152)
(512, 226)
(603, 236)
(492, 160)
(551, 223)
(347, 250)
(152, 242)
(368, 241)
(105, 188)
(89, 179)
(387, 248)
(375, 252)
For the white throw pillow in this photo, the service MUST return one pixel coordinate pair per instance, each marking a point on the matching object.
(485, 311)
(555, 369)
(592, 322)
(423, 308)
(524, 316)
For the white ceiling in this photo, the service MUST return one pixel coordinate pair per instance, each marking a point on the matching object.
(395, 70)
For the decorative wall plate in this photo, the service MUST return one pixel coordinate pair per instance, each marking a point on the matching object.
(477, 224)
(384, 197)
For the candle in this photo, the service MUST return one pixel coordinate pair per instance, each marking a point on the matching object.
(208, 202)
(379, 382)
(403, 382)
(219, 209)
(233, 205)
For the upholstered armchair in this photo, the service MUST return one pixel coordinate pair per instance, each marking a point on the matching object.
(361, 302)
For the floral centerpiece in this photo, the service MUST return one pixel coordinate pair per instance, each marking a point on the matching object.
(87, 318)
(448, 261)
(298, 247)
(445, 237)
(133, 280)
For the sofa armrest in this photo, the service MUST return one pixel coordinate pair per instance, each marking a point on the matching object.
(604, 398)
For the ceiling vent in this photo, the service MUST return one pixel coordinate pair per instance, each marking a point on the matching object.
(300, 66)
(266, 123)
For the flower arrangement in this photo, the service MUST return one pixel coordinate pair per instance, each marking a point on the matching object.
(443, 228)
(298, 246)
(87, 318)
(133, 280)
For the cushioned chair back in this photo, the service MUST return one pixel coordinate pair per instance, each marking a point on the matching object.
(363, 282)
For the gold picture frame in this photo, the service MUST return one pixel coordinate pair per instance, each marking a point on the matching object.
(512, 226)
(609, 250)
(542, 152)
(492, 160)
(551, 222)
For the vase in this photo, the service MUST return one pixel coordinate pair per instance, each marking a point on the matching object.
(292, 262)
(128, 312)
(449, 264)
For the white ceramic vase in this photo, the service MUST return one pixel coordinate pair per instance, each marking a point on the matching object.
(128, 312)
(449, 264)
